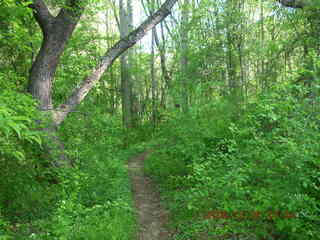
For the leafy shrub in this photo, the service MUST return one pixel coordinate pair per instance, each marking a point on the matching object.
(265, 161)
(95, 199)
(20, 144)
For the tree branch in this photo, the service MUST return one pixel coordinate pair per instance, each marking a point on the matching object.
(293, 3)
(110, 56)
(114, 9)
(42, 14)
(72, 11)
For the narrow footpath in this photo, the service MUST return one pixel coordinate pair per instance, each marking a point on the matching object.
(151, 216)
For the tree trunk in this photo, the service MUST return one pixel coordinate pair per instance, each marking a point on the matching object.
(126, 85)
(184, 57)
(56, 31)
(162, 52)
(153, 81)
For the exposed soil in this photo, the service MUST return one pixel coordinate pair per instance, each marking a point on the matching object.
(151, 216)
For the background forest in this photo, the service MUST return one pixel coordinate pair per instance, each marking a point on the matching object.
(224, 92)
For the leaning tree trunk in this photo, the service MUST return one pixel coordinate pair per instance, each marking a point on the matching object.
(57, 30)
(61, 112)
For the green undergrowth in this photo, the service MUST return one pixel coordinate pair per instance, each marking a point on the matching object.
(91, 201)
(242, 172)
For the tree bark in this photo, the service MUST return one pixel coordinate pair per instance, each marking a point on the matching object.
(56, 32)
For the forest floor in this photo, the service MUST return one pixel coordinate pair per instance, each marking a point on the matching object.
(152, 217)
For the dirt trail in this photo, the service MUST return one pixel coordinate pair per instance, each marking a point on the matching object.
(151, 216)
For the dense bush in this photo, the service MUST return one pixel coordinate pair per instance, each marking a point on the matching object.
(261, 160)
(90, 201)
(97, 204)
(94, 198)
(20, 144)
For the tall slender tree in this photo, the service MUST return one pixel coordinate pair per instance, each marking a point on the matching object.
(125, 13)
(185, 84)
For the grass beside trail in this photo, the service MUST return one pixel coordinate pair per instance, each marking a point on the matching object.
(95, 203)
